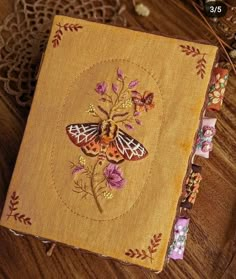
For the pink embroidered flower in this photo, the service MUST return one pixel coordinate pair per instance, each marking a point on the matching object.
(136, 113)
(120, 74)
(101, 88)
(207, 146)
(77, 169)
(208, 131)
(129, 126)
(114, 176)
(133, 83)
(115, 88)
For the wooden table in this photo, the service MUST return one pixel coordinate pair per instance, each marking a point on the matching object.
(211, 245)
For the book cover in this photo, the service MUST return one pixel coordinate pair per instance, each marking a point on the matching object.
(109, 139)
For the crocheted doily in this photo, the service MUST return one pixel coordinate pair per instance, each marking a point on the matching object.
(24, 34)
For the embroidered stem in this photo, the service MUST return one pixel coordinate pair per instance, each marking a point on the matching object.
(93, 187)
(122, 91)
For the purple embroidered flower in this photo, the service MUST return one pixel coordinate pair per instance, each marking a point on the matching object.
(101, 88)
(133, 83)
(129, 126)
(139, 122)
(136, 113)
(77, 169)
(208, 131)
(114, 176)
(114, 87)
(120, 74)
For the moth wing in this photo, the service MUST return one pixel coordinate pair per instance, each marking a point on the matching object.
(92, 148)
(148, 100)
(148, 97)
(81, 134)
(129, 148)
(113, 155)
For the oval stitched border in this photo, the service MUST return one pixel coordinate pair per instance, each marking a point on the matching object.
(57, 127)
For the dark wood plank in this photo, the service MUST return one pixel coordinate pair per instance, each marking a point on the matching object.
(211, 246)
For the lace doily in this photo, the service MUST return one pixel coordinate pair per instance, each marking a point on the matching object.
(24, 34)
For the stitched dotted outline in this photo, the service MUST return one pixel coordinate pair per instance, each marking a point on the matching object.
(57, 127)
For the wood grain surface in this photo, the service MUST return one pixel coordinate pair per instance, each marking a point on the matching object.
(211, 244)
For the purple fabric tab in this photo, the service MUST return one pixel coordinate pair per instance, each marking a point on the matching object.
(176, 249)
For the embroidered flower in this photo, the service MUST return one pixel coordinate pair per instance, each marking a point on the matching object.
(120, 74)
(136, 113)
(133, 83)
(77, 169)
(208, 131)
(101, 88)
(115, 88)
(127, 103)
(114, 176)
(129, 126)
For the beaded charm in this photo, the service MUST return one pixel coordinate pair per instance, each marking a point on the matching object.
(176, 249)
(205, 135)
(191, 187)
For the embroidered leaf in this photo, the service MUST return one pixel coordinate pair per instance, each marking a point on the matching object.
(13, 207)
(143, 254)
(201, 63)
(130, 253)
(59, 33)
(190, 50)
(139, 122)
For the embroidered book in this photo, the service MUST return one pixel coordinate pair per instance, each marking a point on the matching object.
(109, 139)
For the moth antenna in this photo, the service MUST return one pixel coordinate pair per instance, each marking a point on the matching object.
(119, 115)
(104, 111)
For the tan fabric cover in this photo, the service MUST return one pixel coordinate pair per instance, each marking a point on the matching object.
(147, 203)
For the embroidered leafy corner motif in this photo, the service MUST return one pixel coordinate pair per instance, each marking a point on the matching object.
(22, 218)
(119, 104)
(147, 253)
(201, 62)
(59, 33)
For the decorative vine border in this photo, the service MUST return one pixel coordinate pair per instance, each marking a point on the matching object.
(195, 52)
(148, 253)
(22, 218)
(59, 32)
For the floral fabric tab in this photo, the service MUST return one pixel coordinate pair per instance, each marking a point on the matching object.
(217, 88)
(205, 135)
(176, 249)
(191, 187)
